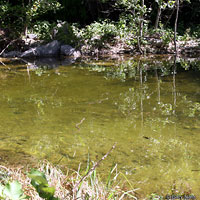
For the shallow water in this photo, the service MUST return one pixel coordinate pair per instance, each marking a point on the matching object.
(150, 108)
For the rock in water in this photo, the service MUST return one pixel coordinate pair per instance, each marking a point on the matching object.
(50, 49)
(68, 50)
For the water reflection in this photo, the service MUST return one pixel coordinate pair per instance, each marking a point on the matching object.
(150, 107)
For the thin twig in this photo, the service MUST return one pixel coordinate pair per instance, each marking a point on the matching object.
(7, 46)
(78, 124)
(175, 25)
(94, 167)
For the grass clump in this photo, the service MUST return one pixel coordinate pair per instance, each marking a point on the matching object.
(50, 183)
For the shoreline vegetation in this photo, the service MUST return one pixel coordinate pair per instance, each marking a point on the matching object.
(50, 182)
(132, 33)
(90, 41)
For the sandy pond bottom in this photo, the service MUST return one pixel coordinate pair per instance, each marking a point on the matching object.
(67, 113)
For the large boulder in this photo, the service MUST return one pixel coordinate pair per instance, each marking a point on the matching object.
(50, 49)
(68, 50)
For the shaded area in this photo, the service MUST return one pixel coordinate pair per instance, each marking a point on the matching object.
(16, 158)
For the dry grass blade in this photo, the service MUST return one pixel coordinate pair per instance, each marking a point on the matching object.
(94, 167)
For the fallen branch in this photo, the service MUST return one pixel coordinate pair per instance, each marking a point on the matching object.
(94, 167)
(11, 42)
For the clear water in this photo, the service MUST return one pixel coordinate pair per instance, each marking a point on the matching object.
(66, 113)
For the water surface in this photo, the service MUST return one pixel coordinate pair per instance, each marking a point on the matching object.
(65, 112)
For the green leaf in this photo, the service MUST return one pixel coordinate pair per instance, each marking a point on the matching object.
(37, 178)
(14, 191)
(46, 192)
(110, 196)
(39, 181)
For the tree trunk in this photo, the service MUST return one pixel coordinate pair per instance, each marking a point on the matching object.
(175, 25)
(158, 16)
(141, 20)
(140, 28)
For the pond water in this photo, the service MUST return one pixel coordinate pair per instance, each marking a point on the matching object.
(67, 112)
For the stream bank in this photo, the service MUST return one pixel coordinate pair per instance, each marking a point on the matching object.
(32, 47)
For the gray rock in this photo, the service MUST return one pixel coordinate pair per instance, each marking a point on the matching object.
(68, 50)
(50, 49)
(12, 54)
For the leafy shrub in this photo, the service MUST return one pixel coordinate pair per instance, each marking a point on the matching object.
(44, 30)
(98, 33)
(21, 16)
(68, 34)
(166, 35)
(196, 31)
(61, 31)
(11, 18)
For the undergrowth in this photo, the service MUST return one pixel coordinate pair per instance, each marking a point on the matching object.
(50, 183)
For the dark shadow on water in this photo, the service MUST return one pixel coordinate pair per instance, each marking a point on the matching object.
(17, 159)
(49, 63)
